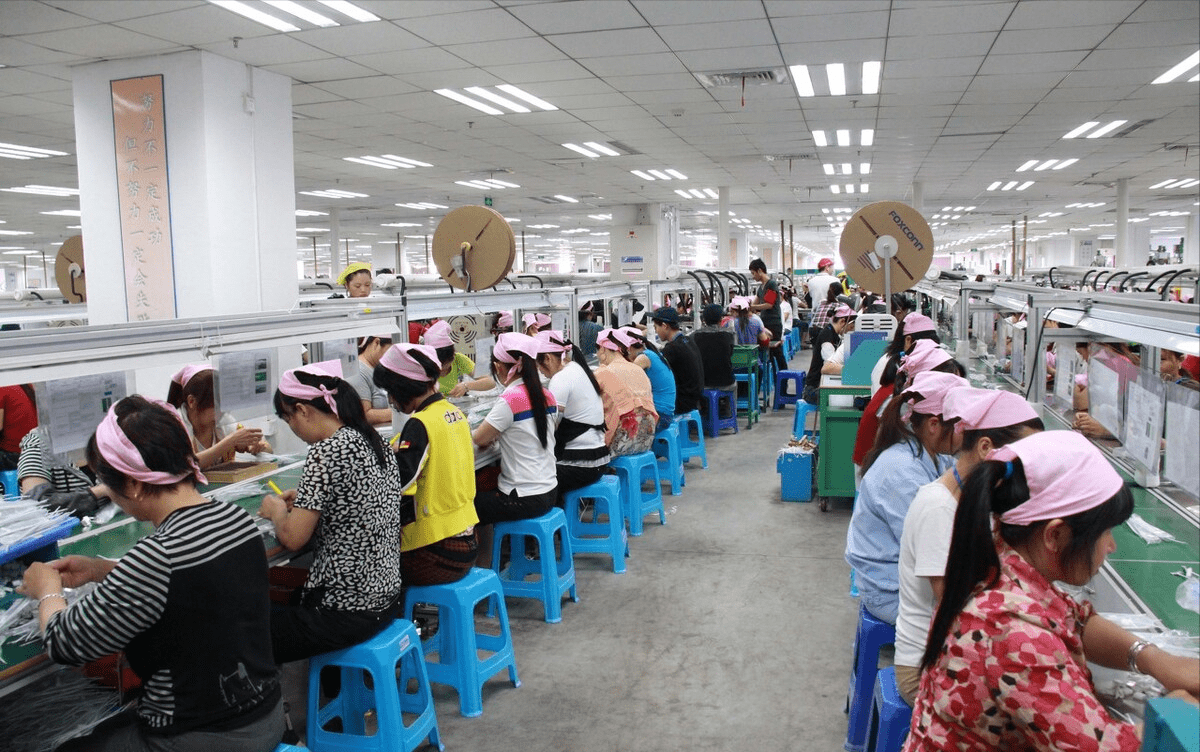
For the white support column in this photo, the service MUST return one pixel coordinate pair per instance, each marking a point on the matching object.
(1191, 238)
(725, 255)
(1124, 254)
(918, 196)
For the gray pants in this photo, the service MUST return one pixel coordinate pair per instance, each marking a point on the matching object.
(124, 734)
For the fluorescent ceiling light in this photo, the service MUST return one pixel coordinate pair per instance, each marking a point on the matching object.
(1027, 165)
(254, 14)
(1179, 183)
(1107, 129)
(1045, 165)
(1082, 129)
(602, 148)
(1191, 182)
(1024, 185)
(474, 184)
(829, 169)
(581, 150)
(864, 187)
(63, 213)
(836, 73)
(599, 217)
(683, 193)
(1163, 184)
(334, 193)
(43, 190)
(642, 175)
(15, 151)
(401, 224)
(843, 138)
(660, 174)
(1191, 62)
(21, 252)
(802, 81)
(368, 161)
(867, 136)
(849, 188)
(835, 188)
(479, 91)
(1065, 163)
(462, 98)
(310, 213)
(14, 232)
(1009, 185)
(523, 95)
(676, 174)
(350, 9)
(711, 193)
(696, 192)
(847, 168)
(568, 199)
(311, 229)
(405, 161)
(819, 138)
(501, 183)
(870, 76)
(299, 11)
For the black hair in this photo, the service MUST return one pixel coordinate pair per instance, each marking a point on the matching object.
(578, 357)
(159, 437)
(445, 354)
(200, 386)
(402, 388)
(835, 289)
(355, 274)
(711, 315)
(533, 387)
(349, 408)
(365, 342)
(758, 264)
(888, 377)
(893, 430)
(972, 559)
(951, 366)
(1002, 435)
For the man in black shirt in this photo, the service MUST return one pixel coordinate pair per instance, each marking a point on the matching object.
(716, 349)
(827, 340)
(766, 303)
(683, 356)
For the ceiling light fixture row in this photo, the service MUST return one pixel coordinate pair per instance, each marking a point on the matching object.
(508, 102)
(864, 168)
(388, 162)
(310, 213)
(16, 151)
(1088, 205)
(834, 84)
(334, 193)
(866, 137)
(667, 174)
(1037, 165)
(43, 190)
(295, 10)
(423, 205)
(850, 188)
(1175, 183)
(1103, 130)
(487, 185)
(594, 149)
(705, 193)
(1000, 185)
(1190, 62)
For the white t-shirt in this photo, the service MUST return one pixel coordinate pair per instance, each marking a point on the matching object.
(924, 545)
(578, 401)
(786, 315)
(838, 355)
(525, 465)
(818, 288)
(877, 373)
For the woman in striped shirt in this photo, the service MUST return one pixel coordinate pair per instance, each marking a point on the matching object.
(188, 604)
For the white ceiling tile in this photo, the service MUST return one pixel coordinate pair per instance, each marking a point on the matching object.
(196, 26)
(583, 15)
(411, 61)
(816, 53)
(845, 25)
(27, 17)
(929, 69)
(614, 42)
(487, 54)
(267, 50)
(1152, 37)
(928, 20)
(1046, 63)
(633, 65)
(461, 28)
(98, 41)
(119, 10)
(786, 8)
(367, 87)
(331, 69)
(703, 36)
(525, 73)
(677, 81)
(1068, 13)
(22, 81)
(361, 39)
(941, 46)
(1048, 40)
(664, 13)
(390, 9)
(733, 59)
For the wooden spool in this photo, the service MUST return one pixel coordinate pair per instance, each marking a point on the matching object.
(69, 271)
(891, 233)
(473, 248)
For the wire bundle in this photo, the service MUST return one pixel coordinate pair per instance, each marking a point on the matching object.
(24, 519)
(61, 707)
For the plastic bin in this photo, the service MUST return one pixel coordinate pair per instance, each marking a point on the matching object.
(46, 540)
(796, 475)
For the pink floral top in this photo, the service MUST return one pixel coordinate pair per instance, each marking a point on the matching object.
(1012, 676)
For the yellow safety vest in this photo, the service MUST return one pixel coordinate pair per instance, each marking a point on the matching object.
(444, 492)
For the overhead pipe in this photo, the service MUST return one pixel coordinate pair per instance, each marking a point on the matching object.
(1097, 284)
(692, 273)
(1150, 285)
(1112, 279)
(1088, 273)
(714, 283)
(1167, 285)
(1130, 279)
(541, 284)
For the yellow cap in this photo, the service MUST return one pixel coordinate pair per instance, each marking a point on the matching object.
(357, 266)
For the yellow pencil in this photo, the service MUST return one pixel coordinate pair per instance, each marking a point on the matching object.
(274, 488)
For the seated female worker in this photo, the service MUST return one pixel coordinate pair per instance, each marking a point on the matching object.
(1039, 510)
(630, 418)
(913, 328)
(824, 343)
(196, 629)
(356, 278)
(374, 400)
(434, 453)
(215, 439)
(579, 449)
(504, 323)
(457, 370)
(986, 418)
(44, 477)
(638, 350)
(532, 323)
(347, 503)
(522, 422)
(913, 448)
(747, 328)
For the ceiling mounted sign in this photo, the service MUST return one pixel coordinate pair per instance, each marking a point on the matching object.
(883, 239)
(473, 248)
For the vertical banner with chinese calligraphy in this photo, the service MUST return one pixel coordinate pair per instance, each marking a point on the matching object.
(141, 158)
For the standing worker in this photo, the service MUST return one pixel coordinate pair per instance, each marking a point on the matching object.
(767, 304)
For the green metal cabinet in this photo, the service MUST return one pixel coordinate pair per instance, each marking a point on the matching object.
(839, 428)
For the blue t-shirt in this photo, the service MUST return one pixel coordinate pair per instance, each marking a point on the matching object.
(662, 384)
(873, 539)
(747, 334)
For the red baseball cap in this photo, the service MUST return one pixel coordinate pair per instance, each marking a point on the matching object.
(824, 263)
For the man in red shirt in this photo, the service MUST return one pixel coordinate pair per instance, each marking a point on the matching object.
(18, 416)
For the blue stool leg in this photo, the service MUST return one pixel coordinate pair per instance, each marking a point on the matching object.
(870, 638)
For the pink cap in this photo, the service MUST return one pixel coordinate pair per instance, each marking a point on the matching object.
(504, 319)
(402, 360)
(1066, 475)
(294, 388)
(514, 342)
(932, 387)
(530, 319)
(926, 355)
(914, 323)
(185, 374)
(608, 339)
(843, 311)
(437, 335)
(553, 341)
(740, 303)
(824, 263)
(980, 409)
(116, 448)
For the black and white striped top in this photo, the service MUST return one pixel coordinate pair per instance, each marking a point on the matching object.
(37, 461)
(189, 606)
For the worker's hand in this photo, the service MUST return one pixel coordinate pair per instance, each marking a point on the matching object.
(79, 503)
(245, 438)
(459, 389)
(274, 507)
(40, 579)
(1088, 426)
(260, 447)
(78, 570)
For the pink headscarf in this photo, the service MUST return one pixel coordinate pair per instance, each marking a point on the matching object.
(553, 341)
(915, 323)
(530, 319)
(514, 342)
(1066, 475)
(926, 355)
(933, 386)
(843, 311)
(117, 450)
(980, 409)
(437, 335)
(292, 387)
(740, 303)
(400, 361)
(605, 338)
(631, 336)
(185, 374)
(504, 319)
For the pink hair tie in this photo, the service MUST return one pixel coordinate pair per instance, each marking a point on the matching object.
(117, 450)
(294, 388)
(185, 374)
(553, 341)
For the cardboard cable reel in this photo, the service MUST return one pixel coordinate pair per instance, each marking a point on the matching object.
(886, 247)
(473, 248)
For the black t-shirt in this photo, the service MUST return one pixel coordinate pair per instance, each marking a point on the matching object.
(683, 356)
(716, 353)
(813, 377)
(768, 292)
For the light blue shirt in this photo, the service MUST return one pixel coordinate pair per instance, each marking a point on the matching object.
(873, 539)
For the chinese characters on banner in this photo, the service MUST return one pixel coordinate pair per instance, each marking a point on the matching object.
(141, 157)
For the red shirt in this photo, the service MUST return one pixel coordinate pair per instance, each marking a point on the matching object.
(416, 330)
(20, 417)
(868, 424)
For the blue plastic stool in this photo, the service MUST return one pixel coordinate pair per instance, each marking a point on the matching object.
(634, 470)
(872, 635)
(782, 397)
(1171, 726)
(598, 537)
(555, 575)
(387, 693)
(800, 420)
(713, 422)
(750, 402)
(689, 447)
(8, 479)
(890, 714)
(666, 447)
(457, 642)
(766, 378)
